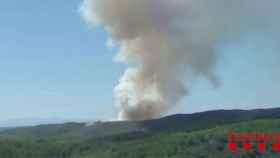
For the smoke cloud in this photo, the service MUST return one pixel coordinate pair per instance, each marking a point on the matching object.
(168, 43)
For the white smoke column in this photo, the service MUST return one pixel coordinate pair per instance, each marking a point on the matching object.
(165, 41)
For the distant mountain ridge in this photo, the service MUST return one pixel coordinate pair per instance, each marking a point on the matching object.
(33, 121)
(207, 119)
(173, 123)
(3, 128)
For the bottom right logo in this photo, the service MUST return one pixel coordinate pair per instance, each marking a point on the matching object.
(248, 141)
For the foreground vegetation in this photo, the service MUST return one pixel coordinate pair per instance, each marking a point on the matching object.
(209, 143)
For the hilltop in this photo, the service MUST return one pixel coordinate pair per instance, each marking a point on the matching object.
(173, 123)
(199, 135)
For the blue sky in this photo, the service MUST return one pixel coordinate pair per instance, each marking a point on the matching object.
(52, 65)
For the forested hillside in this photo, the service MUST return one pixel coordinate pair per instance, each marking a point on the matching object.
(208, 143)
(200, 135)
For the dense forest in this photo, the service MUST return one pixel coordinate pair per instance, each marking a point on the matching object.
(205, 143)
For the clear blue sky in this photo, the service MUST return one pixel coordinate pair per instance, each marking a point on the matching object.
(52, 65)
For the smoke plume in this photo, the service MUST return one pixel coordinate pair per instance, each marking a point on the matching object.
(167, 43)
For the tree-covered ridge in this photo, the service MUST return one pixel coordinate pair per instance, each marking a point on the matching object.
(173, 123)
(208, 143)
